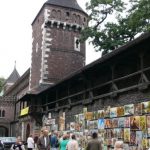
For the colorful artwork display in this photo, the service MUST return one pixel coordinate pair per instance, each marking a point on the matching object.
(143, 123)
(148, 121)
(135, 122)
(101, 113)
(101, 124)
(107, 112)
(115, 122)
(121, 122)
(89, 116)
(129, 109)
(127, 122)
(113, 112)
(138, 109)
(139, 137)
(108, 123)
(130, 123)
(146, 107)
(126, 135)
(120, 111)
(133, 137)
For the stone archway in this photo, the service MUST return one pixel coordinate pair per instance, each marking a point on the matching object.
(3, 131)
(27, 131)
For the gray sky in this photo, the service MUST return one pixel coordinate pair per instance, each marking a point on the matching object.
(15, 34)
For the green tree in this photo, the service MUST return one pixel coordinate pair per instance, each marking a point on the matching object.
(2, 80)
(129, 20)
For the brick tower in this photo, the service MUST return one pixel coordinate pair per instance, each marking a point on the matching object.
(56, 50)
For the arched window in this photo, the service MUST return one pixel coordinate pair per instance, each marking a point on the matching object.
(76, 44)
(54, 13)
(74, 18)
(3, 113)
(78, 19)
(59, 14)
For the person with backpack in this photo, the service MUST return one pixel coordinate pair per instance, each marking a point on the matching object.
(54, 142)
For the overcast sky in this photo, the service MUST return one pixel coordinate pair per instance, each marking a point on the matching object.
(15, 34)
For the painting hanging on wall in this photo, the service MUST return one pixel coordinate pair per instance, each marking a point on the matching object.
(135, 122)
(129, 109)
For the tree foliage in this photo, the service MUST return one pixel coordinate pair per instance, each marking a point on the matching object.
(114, 22)
(2, 80)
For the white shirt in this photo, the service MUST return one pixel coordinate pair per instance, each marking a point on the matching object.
(45, 141)
(72, 145)
(30, 142)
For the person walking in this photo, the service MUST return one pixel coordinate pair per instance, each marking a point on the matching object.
(43, 142)
(94, 144)
(118, 145)
(30, 143)
(54, 141)
(18, 145)
(64, 142)
(72, 144)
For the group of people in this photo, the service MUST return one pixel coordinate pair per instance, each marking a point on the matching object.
(56, 142)
(64, 142)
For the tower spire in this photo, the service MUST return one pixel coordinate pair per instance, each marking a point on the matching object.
(15, 65)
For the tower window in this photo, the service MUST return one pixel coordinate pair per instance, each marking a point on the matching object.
(84, 19)
(76, 44)
(67, 14)
(37, 47)
(2, 113)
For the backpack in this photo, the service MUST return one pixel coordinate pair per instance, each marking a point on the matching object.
(57, 143)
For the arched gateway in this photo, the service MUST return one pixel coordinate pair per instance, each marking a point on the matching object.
(3, 131)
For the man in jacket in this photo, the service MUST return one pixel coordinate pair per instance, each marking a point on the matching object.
(94, 144)
(44, 142)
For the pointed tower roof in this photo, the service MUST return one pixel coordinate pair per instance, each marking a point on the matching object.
(65, 3)
(14, 76)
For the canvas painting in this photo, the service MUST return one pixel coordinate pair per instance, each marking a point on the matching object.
(101, 124)
(129, 109)
(126, 135)
(146, 107)
(95, 124)
(143, 123)
(76, 118)
(133, 137)
(115, 122)
(72, 126)
(89, 116)
(120, 111)
(81, 117)
(148, 121)
(144, 144)
(101, 113)
(95, 115)
(119, 133)
(135, 122)
(109, 133)
(107, 111)
(121, 122)
(148, 132)
(139, 137)
(127, 122)
(113, 112)
(85, 110)
(138, 109)
(108, 123)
